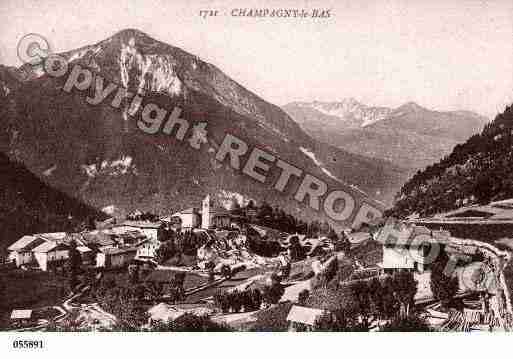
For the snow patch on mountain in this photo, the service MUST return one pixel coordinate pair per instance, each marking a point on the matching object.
(6, 89)
(49, 171)
(155, 72)
(116, 167)
(350, 110)
(327, 172)
(110, 210)
(311, 155)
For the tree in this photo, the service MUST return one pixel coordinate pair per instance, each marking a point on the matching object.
(235, 300)
(297, 252)
(191, 323)
(376, 297)
(332, 235)
(226, 271)
(256, 298)
(339, 321)
(74, 265)
(410, 323)
(390, 303)
(443, 287)
(273, 293)
(154, 291)
(265, 213)
(133, 274)
(221, 301)
(405, 288)
(303, 296)
(360, 291)
(123, 304)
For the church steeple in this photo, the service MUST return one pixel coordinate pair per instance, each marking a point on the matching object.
(206, 208)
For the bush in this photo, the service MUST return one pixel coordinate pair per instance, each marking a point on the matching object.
(339, 321)
(273, 293)
(303, 296)
(226, 271)
(221, 301)
(273, 319)
(248, 299)
(256, 298)
(411, 323)
(444, 288)
(264, 248)
(166, 251)
(235, 299)
(191, 323)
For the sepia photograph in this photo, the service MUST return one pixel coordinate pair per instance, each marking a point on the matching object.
(255, 167)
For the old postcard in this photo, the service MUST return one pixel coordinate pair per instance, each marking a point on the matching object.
(255, 166)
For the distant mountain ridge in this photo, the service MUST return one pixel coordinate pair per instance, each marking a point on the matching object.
(348, 111)
(409, 136)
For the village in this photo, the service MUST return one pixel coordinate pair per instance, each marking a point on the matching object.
(210, 268)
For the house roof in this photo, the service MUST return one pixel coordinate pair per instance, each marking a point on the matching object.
(100, 238)
(46, 247)
(142, 224)
(164, 312)
(408, 232)
(217, 211)
(188, 211)
(132, 235)
(55, 236)
(83, 249)
(175, 218)
(120, 230)
(23, 242)
(304, 315)
(21, 314)
(269, 232)
(114, 251)
(221, 213)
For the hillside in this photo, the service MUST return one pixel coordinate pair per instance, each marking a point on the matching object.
(410, 136)
(476, 172)
(28, 205)
(98, 154)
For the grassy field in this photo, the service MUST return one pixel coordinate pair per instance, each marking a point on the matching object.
(273, 319)
(21, 289)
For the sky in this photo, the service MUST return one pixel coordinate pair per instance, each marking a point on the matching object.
(441, 54)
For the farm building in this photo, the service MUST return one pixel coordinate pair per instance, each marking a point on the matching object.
(303, 318)
(39, 249)
(151, 230)
(115, 257)
(50, 253)
(190, 218)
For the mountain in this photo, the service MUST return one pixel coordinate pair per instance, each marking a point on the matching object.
(98, 154)
(410, 136)
(475, 172)
(28, 205)
(348, 113)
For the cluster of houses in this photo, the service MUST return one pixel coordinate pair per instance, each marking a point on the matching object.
(117, 245)
(110, 247)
